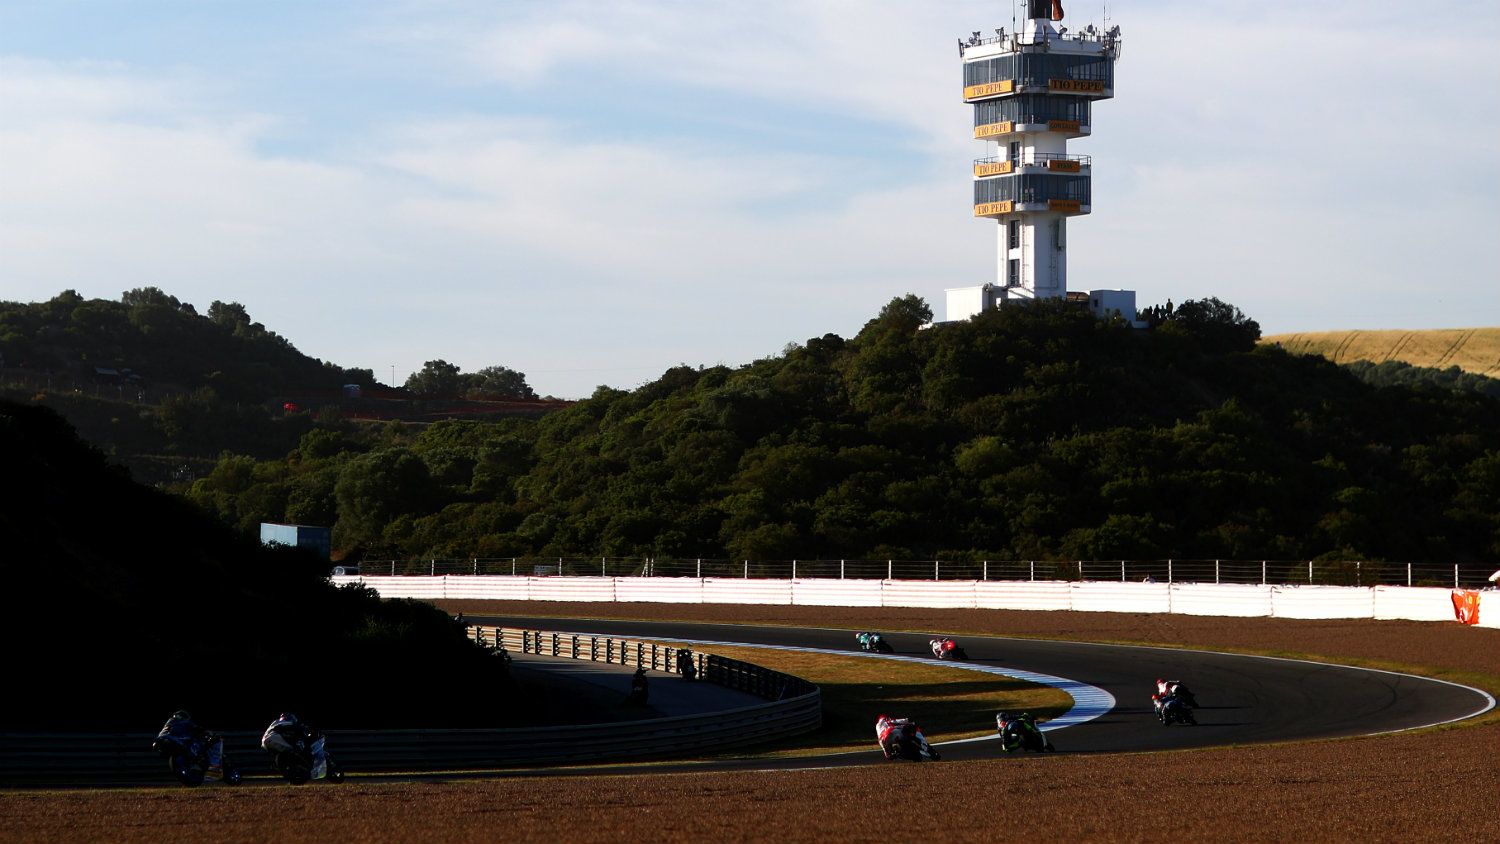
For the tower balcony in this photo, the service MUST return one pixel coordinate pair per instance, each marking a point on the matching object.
(1085, 76)
(1033, 192)
(1031, 114)
(1030, 163)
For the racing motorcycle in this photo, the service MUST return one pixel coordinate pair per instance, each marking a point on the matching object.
(906, 741)
(190, 759)
(1174, 710)
(945, 648)
(874, 643)
(1021, 733)
(300, 758)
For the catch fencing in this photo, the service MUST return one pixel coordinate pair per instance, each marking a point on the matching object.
(1266, 572)
(1416, 603)
(792, 707)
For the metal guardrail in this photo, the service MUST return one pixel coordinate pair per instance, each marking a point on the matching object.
(793, 707)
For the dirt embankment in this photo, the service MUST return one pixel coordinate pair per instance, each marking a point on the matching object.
(1410, 787)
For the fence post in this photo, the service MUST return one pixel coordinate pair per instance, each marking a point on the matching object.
(1455, 575)
(1216, 571)
(1262, 572)
(393, 568)
(1408, 574)
(603, 566)
(1122, 571)
(888, 570)
(1309, 572)
(512, 566)
(1169, 569)
(700, 568)
(841, 569)
(986, 570)
(935, 570)
(1359, 577)
(433, 562)
(1033, 568)
(794, 569)
(747, 569)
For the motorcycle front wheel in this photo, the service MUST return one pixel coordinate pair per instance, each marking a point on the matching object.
(188, 775)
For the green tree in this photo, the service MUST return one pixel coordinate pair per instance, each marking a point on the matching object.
(438, 379)
(501, 382)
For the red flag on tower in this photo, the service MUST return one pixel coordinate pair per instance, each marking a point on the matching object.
(1057, 11)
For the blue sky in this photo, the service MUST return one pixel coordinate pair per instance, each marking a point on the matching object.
(591, 192)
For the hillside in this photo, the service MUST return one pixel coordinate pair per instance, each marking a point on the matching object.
(1475, 350)
(1024, 433)
(122, 603)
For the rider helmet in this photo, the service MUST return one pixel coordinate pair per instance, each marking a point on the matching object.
(181, 715)
(289, 718)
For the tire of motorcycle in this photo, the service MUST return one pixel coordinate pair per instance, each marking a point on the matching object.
(335, 773)
(188, 775)
(233, 776)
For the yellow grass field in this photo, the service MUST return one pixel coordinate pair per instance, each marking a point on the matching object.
(1474, 350)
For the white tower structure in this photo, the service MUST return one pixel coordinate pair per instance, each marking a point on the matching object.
(1032, 92)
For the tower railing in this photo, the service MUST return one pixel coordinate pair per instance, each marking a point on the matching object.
(1037, 158)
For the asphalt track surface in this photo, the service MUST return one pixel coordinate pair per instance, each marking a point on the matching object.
(1244, 699)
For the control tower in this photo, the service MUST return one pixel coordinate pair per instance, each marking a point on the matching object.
(1032, 92)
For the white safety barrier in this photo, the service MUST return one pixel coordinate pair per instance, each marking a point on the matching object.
(1119, 597)
(1228, 599)
(1023, 595)
(837, 593)
(1235, 599)
(1489, 609)
(1322, 602)
(1416, 603)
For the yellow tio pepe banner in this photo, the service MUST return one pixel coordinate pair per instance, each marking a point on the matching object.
(990, 130)
(993, 168)
(989, 89)
(994, 209)
(1076, 86)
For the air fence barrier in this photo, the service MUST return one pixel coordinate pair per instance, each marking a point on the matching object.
(792, 707)
(1416, 603)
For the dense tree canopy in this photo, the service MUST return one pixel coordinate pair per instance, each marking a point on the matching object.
(1024, 432)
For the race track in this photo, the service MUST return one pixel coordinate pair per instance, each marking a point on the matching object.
(1245, 699)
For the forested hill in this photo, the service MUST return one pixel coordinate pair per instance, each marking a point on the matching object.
(122, 603)
(1026, 432)
(163, 341)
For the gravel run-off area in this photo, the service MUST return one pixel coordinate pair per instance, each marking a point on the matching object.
(1431, 784)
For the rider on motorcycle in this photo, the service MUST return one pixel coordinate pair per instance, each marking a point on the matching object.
(892, 732)
(942, 646)
(288, 733)
(1175, 689)
(1010, 728)
(182, 730)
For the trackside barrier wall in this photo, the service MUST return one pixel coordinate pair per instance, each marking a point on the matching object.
(734, 590)
(1213, 599)
(1110, 596)
(1220, 599)
(793, 707)
(837, 593)
(1489, 609)
(1416, 603)
(1322, 602)
(1023, 595)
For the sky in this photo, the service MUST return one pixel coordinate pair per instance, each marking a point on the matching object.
(592, 192)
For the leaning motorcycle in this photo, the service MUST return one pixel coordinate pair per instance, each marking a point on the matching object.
(189, 759)
(874, 643)
(1021, 734)
(947, 649)
(300, 761)
(1174, 711)
(912, 745)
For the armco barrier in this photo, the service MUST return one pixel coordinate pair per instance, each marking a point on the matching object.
(1110, 596)
(1220, 599)
(734, 590)
(1489, 609)
(794, 706)
(837, 593)
(1022, 595)
(1415, 603)
(928, 594)
(1226, 599)
(1322, 602)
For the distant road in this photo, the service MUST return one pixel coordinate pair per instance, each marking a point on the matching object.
(1245, 699)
